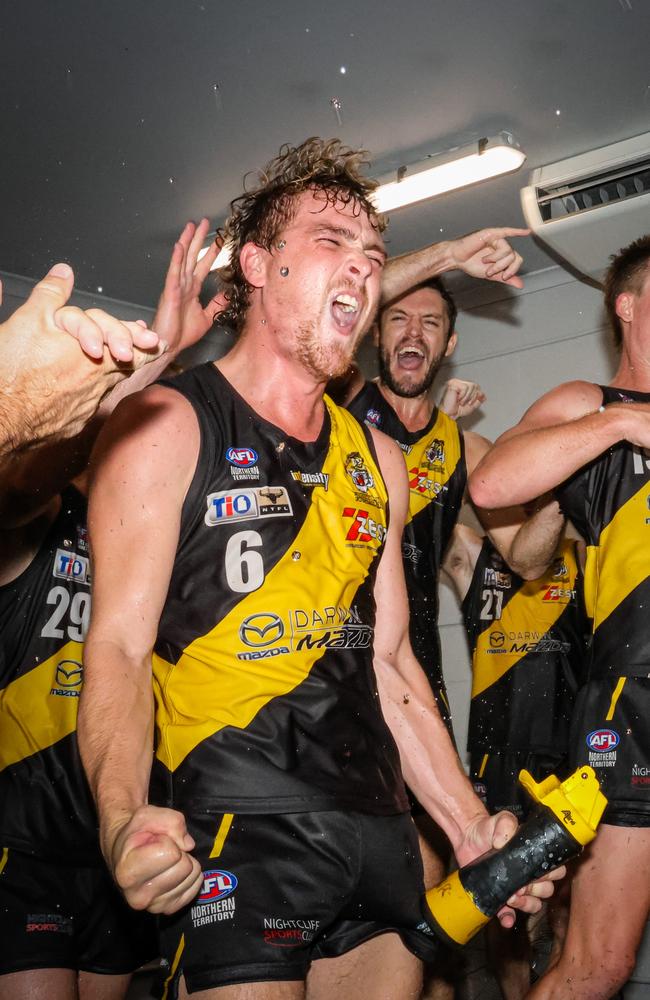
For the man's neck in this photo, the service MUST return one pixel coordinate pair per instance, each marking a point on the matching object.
(279, 390)
(634, 367)
(413, 411)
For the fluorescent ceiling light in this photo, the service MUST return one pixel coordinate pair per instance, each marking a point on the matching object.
(432, 176)
(448, 171)
(223, 257)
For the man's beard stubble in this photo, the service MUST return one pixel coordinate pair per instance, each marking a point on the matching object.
(407, 391)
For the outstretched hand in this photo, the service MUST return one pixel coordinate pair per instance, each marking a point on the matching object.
(180, 318)
(488, 254)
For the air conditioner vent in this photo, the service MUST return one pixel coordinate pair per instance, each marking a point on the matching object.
(597, 189)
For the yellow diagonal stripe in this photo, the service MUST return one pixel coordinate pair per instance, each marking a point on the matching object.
(222, 833)
(209, 687)
(481, 770)
(619, 563)
(174, 967)
(33, 718)
(445, 430)
(620, 684)
(525, 613)
(3, 859)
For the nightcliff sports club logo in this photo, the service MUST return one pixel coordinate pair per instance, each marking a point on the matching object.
(215, 902)
(282, 932)
(67, 679)
(267, 635)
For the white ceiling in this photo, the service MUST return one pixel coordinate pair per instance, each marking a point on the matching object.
(122, 119)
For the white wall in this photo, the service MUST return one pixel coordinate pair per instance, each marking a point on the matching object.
(518, 345)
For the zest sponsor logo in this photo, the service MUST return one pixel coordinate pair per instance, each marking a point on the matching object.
(420, 482)
(560, 594)
(363, 528)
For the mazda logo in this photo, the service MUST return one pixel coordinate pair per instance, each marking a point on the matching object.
(497, 639)
(261, 629)
(69, 673)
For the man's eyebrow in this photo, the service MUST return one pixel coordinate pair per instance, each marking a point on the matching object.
(347, 234)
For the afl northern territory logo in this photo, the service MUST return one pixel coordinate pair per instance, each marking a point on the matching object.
(241, 457)
(261, 629)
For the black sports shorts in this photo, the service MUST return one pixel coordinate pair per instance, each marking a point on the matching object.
(60, 917)
(610, 730)
(282, 890)
(495, 776)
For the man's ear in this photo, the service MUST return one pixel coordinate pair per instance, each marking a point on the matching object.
(451, 344)
(253, 261)
(625, 306)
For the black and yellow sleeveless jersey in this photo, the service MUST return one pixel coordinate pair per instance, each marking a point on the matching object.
(45, 805)
(266, 697)
(609, 503)
(528, 652)
(435, 463)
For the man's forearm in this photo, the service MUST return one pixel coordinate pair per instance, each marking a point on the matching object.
(522, 466)
(430, 763)
(409, 269)
(115, 731)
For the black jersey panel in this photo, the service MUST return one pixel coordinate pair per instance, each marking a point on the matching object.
(528, 652)
(609, 502)
(44, 801)
(437, 475)
(286, 564)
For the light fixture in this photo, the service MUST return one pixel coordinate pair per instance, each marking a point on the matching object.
(434, 175)
(456, 168)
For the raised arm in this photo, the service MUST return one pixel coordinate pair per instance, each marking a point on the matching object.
(559, 434)
(141, 469)
(527, 540)
(429, 760)
(49, 388)
(485, 254)
(460, 558)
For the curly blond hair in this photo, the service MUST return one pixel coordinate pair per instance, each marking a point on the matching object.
(260, 214)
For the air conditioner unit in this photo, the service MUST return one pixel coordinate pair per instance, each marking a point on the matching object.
(587, 207)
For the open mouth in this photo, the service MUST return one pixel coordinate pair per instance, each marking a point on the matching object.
(410, 358)
(345, 310)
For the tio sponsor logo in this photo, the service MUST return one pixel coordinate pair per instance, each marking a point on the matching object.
(71, 566)
(603, 740)
(241, 457)
(217, 884)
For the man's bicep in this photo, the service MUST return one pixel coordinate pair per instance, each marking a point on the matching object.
(141, 469)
